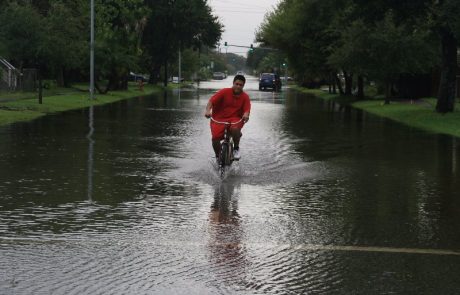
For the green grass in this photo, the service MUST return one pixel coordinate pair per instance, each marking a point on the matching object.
(21, 108)
(9, 96)
(420, 113)
(317, 92)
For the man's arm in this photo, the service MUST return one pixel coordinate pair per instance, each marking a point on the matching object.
(208, 111)
(214, 99)
(246, 109)
(245, 117)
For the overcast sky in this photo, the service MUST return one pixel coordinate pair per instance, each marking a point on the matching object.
(241, 19)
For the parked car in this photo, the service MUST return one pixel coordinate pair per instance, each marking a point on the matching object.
(175, 79)
(218, 76)
(138, 77)
(283, 78)
(269, 80)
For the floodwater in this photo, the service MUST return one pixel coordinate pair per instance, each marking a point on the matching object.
(126, 199)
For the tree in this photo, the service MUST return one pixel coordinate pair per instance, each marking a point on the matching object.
(399, 49)
(119, 25)
(447, 25)
(174, 25)
(377, 39)
(255, 57)
(300, 30)
(66, 45)
(22, 35)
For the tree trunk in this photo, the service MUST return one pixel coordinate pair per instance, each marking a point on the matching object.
(165, 79)
(330, 83)
(446, 94)
(40, 86)
(65, 77)
(334, 89)
(387, 90)
(360, 94)
(99, 89)
(60, 77)
(348, 83)
(339, 84)
(118, 80)
(154, 74)
(124, 82)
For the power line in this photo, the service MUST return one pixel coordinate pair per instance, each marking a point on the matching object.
(250, 6)
(242, 11)
(239, 4)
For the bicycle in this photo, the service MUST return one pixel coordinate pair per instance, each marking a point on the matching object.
(225, 158)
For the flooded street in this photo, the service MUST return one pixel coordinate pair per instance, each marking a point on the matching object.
(126, 199)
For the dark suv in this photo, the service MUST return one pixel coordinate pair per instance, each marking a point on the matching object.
(269, 80)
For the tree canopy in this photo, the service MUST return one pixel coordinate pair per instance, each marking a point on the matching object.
(130, 35)
(376, 40)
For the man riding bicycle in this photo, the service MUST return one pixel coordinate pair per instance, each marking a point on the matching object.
(229, 105)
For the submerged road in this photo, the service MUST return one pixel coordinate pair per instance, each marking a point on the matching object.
(125, 199)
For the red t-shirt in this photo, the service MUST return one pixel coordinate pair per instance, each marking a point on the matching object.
(229, 107)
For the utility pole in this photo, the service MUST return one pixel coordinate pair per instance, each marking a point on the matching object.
(180, 65)
(91, 66)
(285, 72)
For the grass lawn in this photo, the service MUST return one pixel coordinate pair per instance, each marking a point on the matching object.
(419, 113)
(18, 107)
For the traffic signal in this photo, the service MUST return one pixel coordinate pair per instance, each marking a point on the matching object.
(252, 48)
(225, 44)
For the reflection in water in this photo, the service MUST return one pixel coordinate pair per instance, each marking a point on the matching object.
(227, 255)
(165, 98)
(224, 209)
(90, 152)
(321, 192)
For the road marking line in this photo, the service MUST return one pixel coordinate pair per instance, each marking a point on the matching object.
(298, 247)
(378, 249)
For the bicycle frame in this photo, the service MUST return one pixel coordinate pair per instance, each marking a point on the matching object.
(226, 145)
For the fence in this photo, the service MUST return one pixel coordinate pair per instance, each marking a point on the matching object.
(11, 79)
(9, 76)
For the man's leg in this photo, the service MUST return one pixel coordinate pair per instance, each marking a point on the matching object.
(216, 147)
(236, 134)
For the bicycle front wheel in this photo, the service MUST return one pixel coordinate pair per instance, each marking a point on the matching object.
(223, 154)
(229, 154)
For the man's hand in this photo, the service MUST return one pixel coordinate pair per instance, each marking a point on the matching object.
(245, 117)
(208, 114)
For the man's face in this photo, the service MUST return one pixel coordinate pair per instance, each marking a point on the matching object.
(238, 86)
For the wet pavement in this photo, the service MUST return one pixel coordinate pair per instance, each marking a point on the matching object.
(126, 199)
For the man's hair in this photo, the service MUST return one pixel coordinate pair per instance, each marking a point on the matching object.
(240, 77)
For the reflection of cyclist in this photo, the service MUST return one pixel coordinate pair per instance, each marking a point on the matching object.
(229, 105)
(227, 251)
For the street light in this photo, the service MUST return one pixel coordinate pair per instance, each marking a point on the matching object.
(91, 58)
(285, 72)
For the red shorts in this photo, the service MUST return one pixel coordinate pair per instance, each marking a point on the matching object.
(217, 130)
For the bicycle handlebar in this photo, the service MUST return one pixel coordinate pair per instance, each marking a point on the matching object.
(226, 123)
